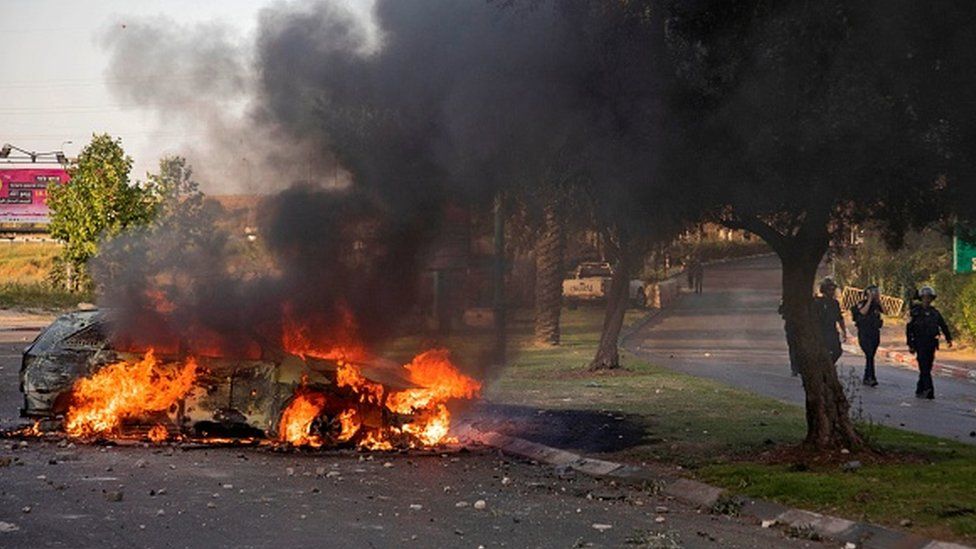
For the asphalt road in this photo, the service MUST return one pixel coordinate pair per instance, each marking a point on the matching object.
(63, 494)
(732, 333)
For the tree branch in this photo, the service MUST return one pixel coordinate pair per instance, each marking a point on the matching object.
(763, 230)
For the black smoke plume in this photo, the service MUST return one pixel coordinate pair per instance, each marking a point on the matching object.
(447, 102)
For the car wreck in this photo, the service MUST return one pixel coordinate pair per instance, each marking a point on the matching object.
(75, 378)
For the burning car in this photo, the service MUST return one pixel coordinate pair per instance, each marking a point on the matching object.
(304, 396)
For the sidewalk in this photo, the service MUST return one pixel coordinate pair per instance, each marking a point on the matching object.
(958, 363)
(19, 321)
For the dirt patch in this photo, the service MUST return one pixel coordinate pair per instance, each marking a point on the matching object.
(803, 458)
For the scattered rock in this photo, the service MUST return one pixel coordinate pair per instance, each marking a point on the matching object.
(850, 545)
(660, 509)
(141, 464)
(160, 513)
(845, 451)
(8, 527)
(211, 505)
(388, 464)
(416, 507)
(905, 523)
(320, 471)
(461, 504)
(26, 509)
(41, 477)
(602, 527)
(659, 519)
(768, 523)
(506, 481)
(332, 474)
(480, 504)
(972, 433)
(114, 495)
(227, 486)
(290, 471)
(851, 466)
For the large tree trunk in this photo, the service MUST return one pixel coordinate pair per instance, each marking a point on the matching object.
(549, 276)
(608, 353)
(829, 425)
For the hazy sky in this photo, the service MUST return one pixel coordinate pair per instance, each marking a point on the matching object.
(52, 74)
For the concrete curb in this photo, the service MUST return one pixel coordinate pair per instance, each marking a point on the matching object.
(705, 496)
(906, 361)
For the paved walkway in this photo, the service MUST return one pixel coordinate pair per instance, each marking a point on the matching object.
(732, 333)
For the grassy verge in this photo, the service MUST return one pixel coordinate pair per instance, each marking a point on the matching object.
(722, 435)
(24, 269)
(38, 296)
(26, 263)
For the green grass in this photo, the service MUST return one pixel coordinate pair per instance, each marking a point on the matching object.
(937, 496)
(38, 296)
(24, 269)
(719, 435)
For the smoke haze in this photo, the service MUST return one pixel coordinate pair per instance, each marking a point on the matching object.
(443, 102)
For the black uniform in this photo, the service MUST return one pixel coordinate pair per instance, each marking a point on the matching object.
(922, 332)
(868, 334)
(827, 312)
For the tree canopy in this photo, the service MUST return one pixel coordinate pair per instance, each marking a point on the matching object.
(98, 202)
(794, 119)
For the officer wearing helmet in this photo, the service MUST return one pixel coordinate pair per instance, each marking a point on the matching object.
(826, 310)
(867, 317)
(922, 333)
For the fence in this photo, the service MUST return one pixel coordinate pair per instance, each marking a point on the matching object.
(891, 306)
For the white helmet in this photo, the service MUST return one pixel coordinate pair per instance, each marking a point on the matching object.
(926, 291)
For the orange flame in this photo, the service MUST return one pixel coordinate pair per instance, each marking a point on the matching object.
(425, 407)
(349, 375)
(158, 433)
(296, 421)
(341, 343)
(126, 391)
(350, 425)
(439, 381)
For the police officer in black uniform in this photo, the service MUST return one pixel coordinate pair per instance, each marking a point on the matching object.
(867, 316)
(826, 309)
(922, 332)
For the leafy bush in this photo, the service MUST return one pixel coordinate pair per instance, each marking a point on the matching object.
(957, 301)
(926, 259)
(897, 272)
